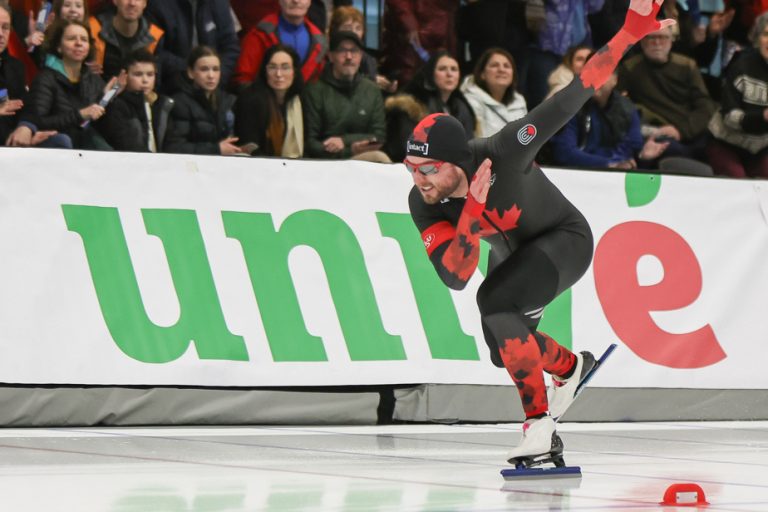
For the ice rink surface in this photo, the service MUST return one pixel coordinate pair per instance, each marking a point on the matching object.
(625, 466)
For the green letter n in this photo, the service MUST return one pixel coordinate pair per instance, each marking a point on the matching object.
(266, 254)
(200, 321)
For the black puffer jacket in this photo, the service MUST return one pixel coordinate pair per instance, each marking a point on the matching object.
(126, 127)
(55, 102)
(195, 125)
(12, 79)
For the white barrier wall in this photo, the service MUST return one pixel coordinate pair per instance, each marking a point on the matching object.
(130, 269)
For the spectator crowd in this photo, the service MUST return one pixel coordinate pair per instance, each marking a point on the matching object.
(294, 78)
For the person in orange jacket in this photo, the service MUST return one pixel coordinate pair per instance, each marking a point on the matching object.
(119, 32)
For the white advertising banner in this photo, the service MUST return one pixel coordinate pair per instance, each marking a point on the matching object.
(130, 269)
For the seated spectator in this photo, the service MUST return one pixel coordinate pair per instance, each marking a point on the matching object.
(344, 111)
(187, 24)
(435, 88)
(671, 95)
(605, 134)
(350, 19)
(138, 118)
(573, 60)
(11, 79)
(65, 94)
(291, 27)
(119, 32)
(491, 92)
(202, 121)
(740, 127)
(269, 113)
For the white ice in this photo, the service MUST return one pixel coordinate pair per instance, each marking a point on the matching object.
(625, 467)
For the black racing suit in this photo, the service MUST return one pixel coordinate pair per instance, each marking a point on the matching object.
(540, 244)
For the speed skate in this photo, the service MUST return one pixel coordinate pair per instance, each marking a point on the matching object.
(540, 443)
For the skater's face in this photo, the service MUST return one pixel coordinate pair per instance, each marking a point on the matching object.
(498, 72)
(657, 45)
(446, 74)
(436, 186)
(141, 77)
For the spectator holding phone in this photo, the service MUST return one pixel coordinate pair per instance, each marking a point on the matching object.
(669, 90)
(268, 113)
(344, 111)
(202, 121)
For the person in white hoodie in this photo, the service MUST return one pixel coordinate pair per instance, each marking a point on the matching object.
(491, 92)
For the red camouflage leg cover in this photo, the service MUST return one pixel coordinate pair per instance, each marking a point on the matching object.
(527, 360)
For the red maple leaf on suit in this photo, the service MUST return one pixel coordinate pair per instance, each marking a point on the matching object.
(505, 220)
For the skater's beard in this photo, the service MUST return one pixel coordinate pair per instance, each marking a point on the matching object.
(443, 186)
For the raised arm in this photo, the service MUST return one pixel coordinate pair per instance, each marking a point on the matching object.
(522, 139)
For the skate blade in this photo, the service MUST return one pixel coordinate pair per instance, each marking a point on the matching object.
(598, 364)
(527, 474)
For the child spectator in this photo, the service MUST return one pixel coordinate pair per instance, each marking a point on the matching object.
(268, 113)
(138, 119)
(492, 93)
(73, 10)
(202, 121)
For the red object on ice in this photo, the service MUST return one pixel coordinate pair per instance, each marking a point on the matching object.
(685, 495)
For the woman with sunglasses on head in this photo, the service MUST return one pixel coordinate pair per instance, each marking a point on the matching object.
(540, 243)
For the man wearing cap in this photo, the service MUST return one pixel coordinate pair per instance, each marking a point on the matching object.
(344, 111)
(491, 188)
